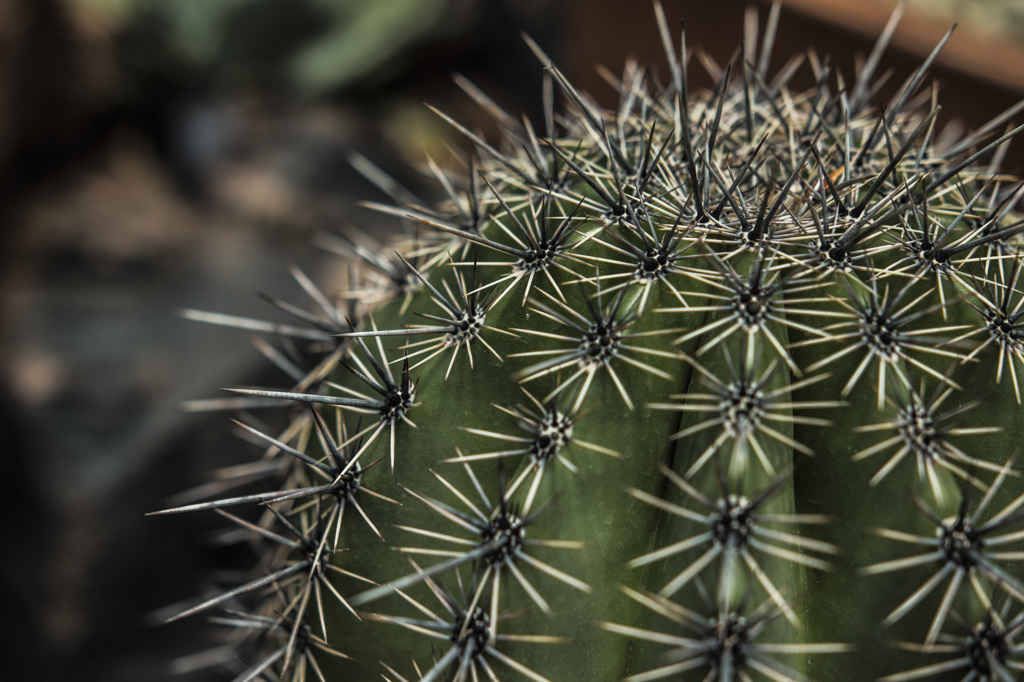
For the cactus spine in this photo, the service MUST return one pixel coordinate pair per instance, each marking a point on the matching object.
(719, 386)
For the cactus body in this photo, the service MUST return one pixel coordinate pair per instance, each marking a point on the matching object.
(715, 386)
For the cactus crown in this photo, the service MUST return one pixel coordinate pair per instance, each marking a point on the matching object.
(716, 385)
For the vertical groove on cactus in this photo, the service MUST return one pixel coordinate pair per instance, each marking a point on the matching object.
(712, 385)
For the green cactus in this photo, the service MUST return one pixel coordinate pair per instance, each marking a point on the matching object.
(715, 386)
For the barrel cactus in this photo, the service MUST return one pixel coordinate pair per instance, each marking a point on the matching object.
(717, 385)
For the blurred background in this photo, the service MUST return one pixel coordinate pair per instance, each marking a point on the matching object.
(161, 154)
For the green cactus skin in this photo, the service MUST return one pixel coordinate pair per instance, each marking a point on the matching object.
(715, 386)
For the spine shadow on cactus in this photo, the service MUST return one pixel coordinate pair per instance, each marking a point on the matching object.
(719, 386)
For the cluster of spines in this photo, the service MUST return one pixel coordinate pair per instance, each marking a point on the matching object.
(780, 233)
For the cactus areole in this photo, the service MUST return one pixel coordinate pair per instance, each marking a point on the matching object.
(713, 386)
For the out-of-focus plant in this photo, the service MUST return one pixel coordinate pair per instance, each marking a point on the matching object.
(311, 46)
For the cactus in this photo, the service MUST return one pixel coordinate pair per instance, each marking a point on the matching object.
(716, 386)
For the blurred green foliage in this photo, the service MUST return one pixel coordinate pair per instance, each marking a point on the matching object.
(308, 46)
